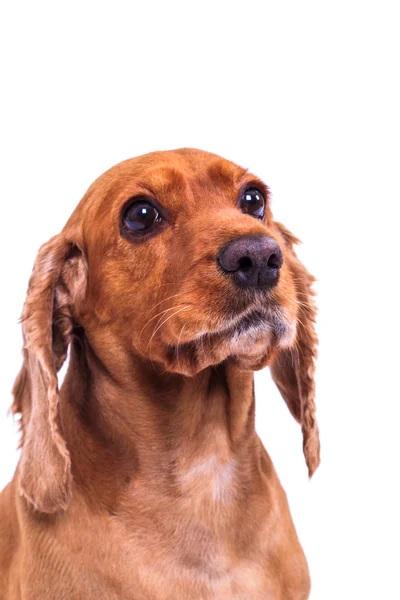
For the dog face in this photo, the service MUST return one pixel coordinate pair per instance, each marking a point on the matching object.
(175, 258)
(187, 266)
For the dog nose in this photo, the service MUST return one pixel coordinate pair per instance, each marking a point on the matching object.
(252, 260)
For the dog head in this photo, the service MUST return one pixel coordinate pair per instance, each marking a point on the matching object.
(173, 257)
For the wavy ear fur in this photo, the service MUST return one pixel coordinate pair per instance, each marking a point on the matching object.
(293, 368)
(56, 286)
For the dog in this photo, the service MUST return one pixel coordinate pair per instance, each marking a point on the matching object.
(143, 478)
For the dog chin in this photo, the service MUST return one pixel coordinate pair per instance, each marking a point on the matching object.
(250, 342)
(259, 336)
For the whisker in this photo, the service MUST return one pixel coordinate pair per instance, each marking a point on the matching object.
(165, 320)
(155, 317)
(304, 304)
(163, 313)
(164, 300)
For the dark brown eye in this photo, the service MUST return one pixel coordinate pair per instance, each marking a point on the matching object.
(140, 217)
(252, 203)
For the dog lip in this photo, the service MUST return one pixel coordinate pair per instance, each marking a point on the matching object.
(255, 319)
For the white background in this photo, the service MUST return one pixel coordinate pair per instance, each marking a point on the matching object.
(305, 94)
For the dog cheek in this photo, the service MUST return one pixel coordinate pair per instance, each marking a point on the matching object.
(284, 294)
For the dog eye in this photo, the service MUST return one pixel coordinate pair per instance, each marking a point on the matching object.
(140, 217)
(252, 203)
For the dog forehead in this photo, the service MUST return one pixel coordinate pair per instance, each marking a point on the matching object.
(176, 174)
(172, 177)
(188, 181)
(173, 168)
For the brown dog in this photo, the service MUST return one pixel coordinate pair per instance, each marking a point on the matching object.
(143, 478)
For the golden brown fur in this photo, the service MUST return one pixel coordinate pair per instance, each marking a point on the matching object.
(143, 477)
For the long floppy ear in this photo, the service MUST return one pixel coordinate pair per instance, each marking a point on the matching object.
(293, 368)
(56, 286)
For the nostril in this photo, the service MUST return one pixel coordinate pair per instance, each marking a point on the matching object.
(244, 263)
(274, 261)
(252, 261)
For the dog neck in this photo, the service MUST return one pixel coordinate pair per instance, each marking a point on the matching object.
(149, 426)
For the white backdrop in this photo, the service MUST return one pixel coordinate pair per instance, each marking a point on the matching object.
(305, 94)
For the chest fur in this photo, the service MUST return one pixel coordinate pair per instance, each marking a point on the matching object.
(211, 536)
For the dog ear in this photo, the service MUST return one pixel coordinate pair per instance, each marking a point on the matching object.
(293, 369)
(56, 286)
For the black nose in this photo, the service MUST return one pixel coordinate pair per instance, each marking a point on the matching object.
(252, 260)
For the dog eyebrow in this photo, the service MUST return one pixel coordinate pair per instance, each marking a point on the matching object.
(163, 181)
(222, 175)
(147, 189)
(230, 176)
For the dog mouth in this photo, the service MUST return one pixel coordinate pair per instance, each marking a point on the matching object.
(270, 321)
(270, 325)
(254, 320)
(250, 335)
